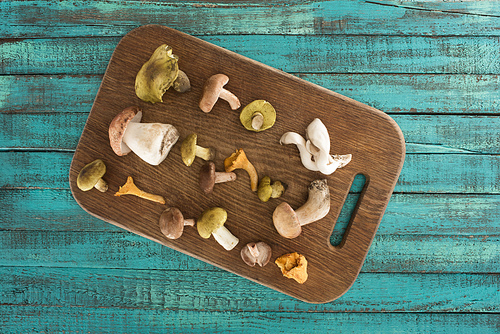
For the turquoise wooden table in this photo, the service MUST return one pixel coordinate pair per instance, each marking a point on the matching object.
(434, 265)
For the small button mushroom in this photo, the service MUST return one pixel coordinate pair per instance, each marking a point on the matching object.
(129, 188)
(258, 115)
(267, 190)
(211, 222)
(172, 223)
(150, 141)
(239, 160)
(91, 176)
(293, 265)
(157, 75)
(289, 223)
(209, 177)
(213, 90)
(182, 83)
(190, 150)
(256, 253)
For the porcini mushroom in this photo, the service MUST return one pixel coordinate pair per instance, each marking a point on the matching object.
(211, 222)
(209, 177)
(91, 176)
(239, 160)
(289, 223)
(267, 190)
(150, 141)
(213, 90)
(157, 75)
(256, 253)
(182, 83)
(129, 188)
(258, 115)
(293, 265)
(172, 223)
(190, 150)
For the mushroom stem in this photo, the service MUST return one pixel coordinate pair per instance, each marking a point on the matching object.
(189, 222)
(101, 185)
(221, 177)
(305, 156)
(206, 153)
(225, 238)
(253, 249)
(129, 188)
(257, 121)
(233, 101)
(317, 205)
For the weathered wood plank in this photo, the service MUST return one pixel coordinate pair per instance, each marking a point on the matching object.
(406, 214)
(305, 54)
(50, 18)
(423, 133)
(44, 318)
(213, 291)
(391, 93)
(388, 253)
(422, 173)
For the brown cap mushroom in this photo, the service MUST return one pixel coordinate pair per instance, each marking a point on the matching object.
(91, 176)
(293, 265)
(211, 222)
(172, 223)
(256, 253)
(258, 115)
(288, 222)
(209, 177)
(214, 89)
(239, 160)
(190, 150)
(150, 141)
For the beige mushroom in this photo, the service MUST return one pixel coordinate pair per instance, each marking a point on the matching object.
(172, 223)
(214, 89)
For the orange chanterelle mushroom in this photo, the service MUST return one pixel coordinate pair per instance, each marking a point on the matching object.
(293, 265)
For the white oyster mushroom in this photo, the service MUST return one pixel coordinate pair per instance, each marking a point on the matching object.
(305, 156)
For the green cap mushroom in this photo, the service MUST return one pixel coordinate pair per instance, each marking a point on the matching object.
(91, 176)
(190, 150)
(266, 190)
(258, 115)
(157, 75)
(211, 222)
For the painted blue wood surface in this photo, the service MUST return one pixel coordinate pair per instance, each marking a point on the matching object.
(434, 265)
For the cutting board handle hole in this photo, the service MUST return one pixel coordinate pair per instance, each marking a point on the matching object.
(348, 209)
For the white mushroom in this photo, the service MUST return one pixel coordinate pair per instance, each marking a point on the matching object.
(150, 141)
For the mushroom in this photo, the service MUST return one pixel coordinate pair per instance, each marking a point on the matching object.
(211, 222)
(172, 223)
(209, 177)
(239, 160)
(293, 265)
(214, 89)
(258, 115)
(289, 223)
(129, 188)
(157, 75)
(305, 156)
(267, 190)
(150, 141)
(182, 83)
(190, 150)
(91, 176)
(256, 253)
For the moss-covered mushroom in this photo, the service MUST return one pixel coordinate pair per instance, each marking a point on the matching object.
(258, 115)
(211, 222)
(190, 150)
(91, 176)
(268, 190)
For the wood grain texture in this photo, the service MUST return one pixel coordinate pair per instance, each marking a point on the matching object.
(366, 132)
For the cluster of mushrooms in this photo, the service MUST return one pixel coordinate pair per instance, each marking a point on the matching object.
(152, 143)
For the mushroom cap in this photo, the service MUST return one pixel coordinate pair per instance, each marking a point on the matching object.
(90, 175)
(118, 126)
(258, 106)
(286, 221)
(172, 223)
(263, 256)
(211, 220)
(207, 177)
(188, 149)
(211, 91)
(236, 160)
(265, 190)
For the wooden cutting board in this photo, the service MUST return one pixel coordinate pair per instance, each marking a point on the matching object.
(373, 138)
